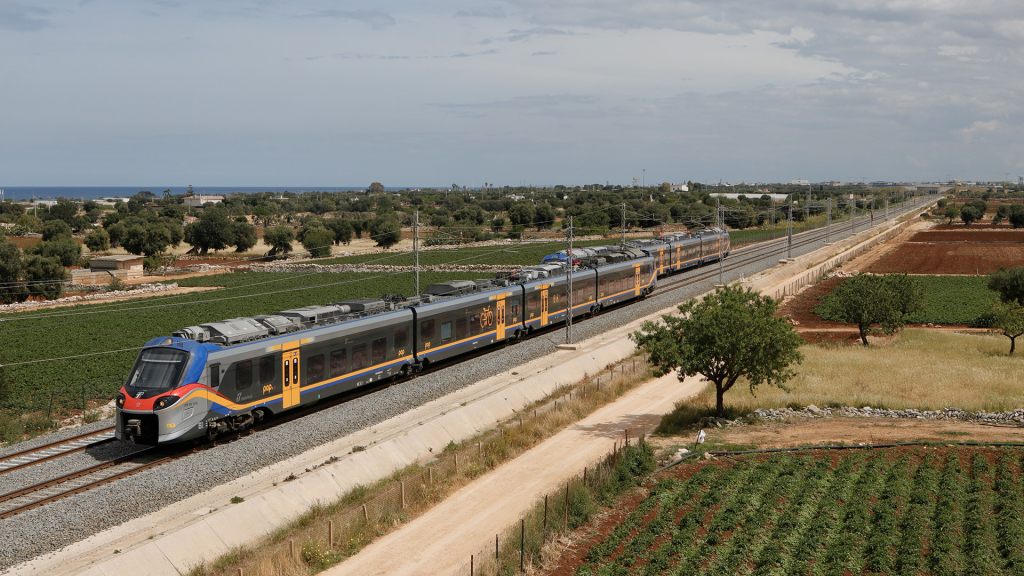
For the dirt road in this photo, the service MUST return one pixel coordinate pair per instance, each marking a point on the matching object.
(441, 540)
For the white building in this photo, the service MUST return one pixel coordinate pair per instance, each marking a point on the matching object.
(199, 200)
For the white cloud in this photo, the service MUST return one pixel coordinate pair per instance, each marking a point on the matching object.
(20, 18)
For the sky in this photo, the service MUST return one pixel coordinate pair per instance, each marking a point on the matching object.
(508, 92)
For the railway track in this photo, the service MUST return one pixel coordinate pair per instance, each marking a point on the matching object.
(53, 450)
(23, 499)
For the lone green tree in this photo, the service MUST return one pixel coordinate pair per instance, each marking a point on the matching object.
(951, 213)
(969, 214)
(386, 231)
(243, 234)
(865, 300)
(318, 241)
(1016, 217)
(213, 231)
(730, 335)
(279, 238)
(1008, 319)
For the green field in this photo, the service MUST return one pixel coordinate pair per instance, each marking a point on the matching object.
(522, 254)
(85, 329)
(937, 510)
(947, 300)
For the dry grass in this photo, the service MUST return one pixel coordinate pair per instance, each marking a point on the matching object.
(423, 488)
(920, 369)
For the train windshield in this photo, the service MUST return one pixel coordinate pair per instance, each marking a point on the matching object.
(158, 368)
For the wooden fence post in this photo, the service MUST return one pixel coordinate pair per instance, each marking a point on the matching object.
(366, 515)
(565, 521)
(402, 485)
(522, 543)
(330, 534)
(291, 547)
(544, 529)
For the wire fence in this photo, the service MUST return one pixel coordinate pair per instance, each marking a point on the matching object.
(525, 544)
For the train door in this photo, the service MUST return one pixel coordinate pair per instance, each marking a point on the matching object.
(290, 373)
(544, 307)
(500, 322)
(636, 279)
(661, 260)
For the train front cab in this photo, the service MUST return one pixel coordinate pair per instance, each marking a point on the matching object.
(159, 401)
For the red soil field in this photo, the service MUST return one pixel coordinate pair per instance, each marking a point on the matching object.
(965, 235)
(953, 258)
(961, 228)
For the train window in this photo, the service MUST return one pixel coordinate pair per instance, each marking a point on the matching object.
(531, 303)
(427, 330)
(267, 371)
(243, 375)
(339, 362)
(460, 329)
(214, 376)
(401, 337)
(446, 331)
(474, 324)
(359, 357)
(314, 369)
(513, 312)
(378, 350)
(603, 285)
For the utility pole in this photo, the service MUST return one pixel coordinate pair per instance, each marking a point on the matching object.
(623, 223)
(771, 217)
(718, 210)
(416, 248)
(789, 233)
(886, 209)
(828, 222)
(568, 310)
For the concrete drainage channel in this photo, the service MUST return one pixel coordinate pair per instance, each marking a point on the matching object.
(393, 444)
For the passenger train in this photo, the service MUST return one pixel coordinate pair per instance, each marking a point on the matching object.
(203, 381)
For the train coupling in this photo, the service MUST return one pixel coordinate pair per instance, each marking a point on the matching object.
(133, 428)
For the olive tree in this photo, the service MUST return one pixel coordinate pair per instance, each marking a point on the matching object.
(969, 214)
(952, 213)
(865, 300)
(318, 241)
(1008, 319)
(1008, 283)
(279, 238)
(386, 231)
(730, 335)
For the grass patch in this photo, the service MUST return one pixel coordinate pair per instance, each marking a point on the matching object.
(921, 369)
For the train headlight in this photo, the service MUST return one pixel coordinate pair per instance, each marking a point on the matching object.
(165, 402)
(120, 400)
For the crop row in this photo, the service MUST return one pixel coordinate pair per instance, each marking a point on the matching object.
(954, 511)
(66, 332)
(947, 300)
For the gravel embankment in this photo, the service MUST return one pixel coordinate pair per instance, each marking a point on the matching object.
(52, 527)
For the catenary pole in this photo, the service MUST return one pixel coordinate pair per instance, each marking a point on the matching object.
(789, 232)
(416, 248)
(568, 310)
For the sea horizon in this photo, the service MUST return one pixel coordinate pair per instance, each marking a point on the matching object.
(22, 193)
